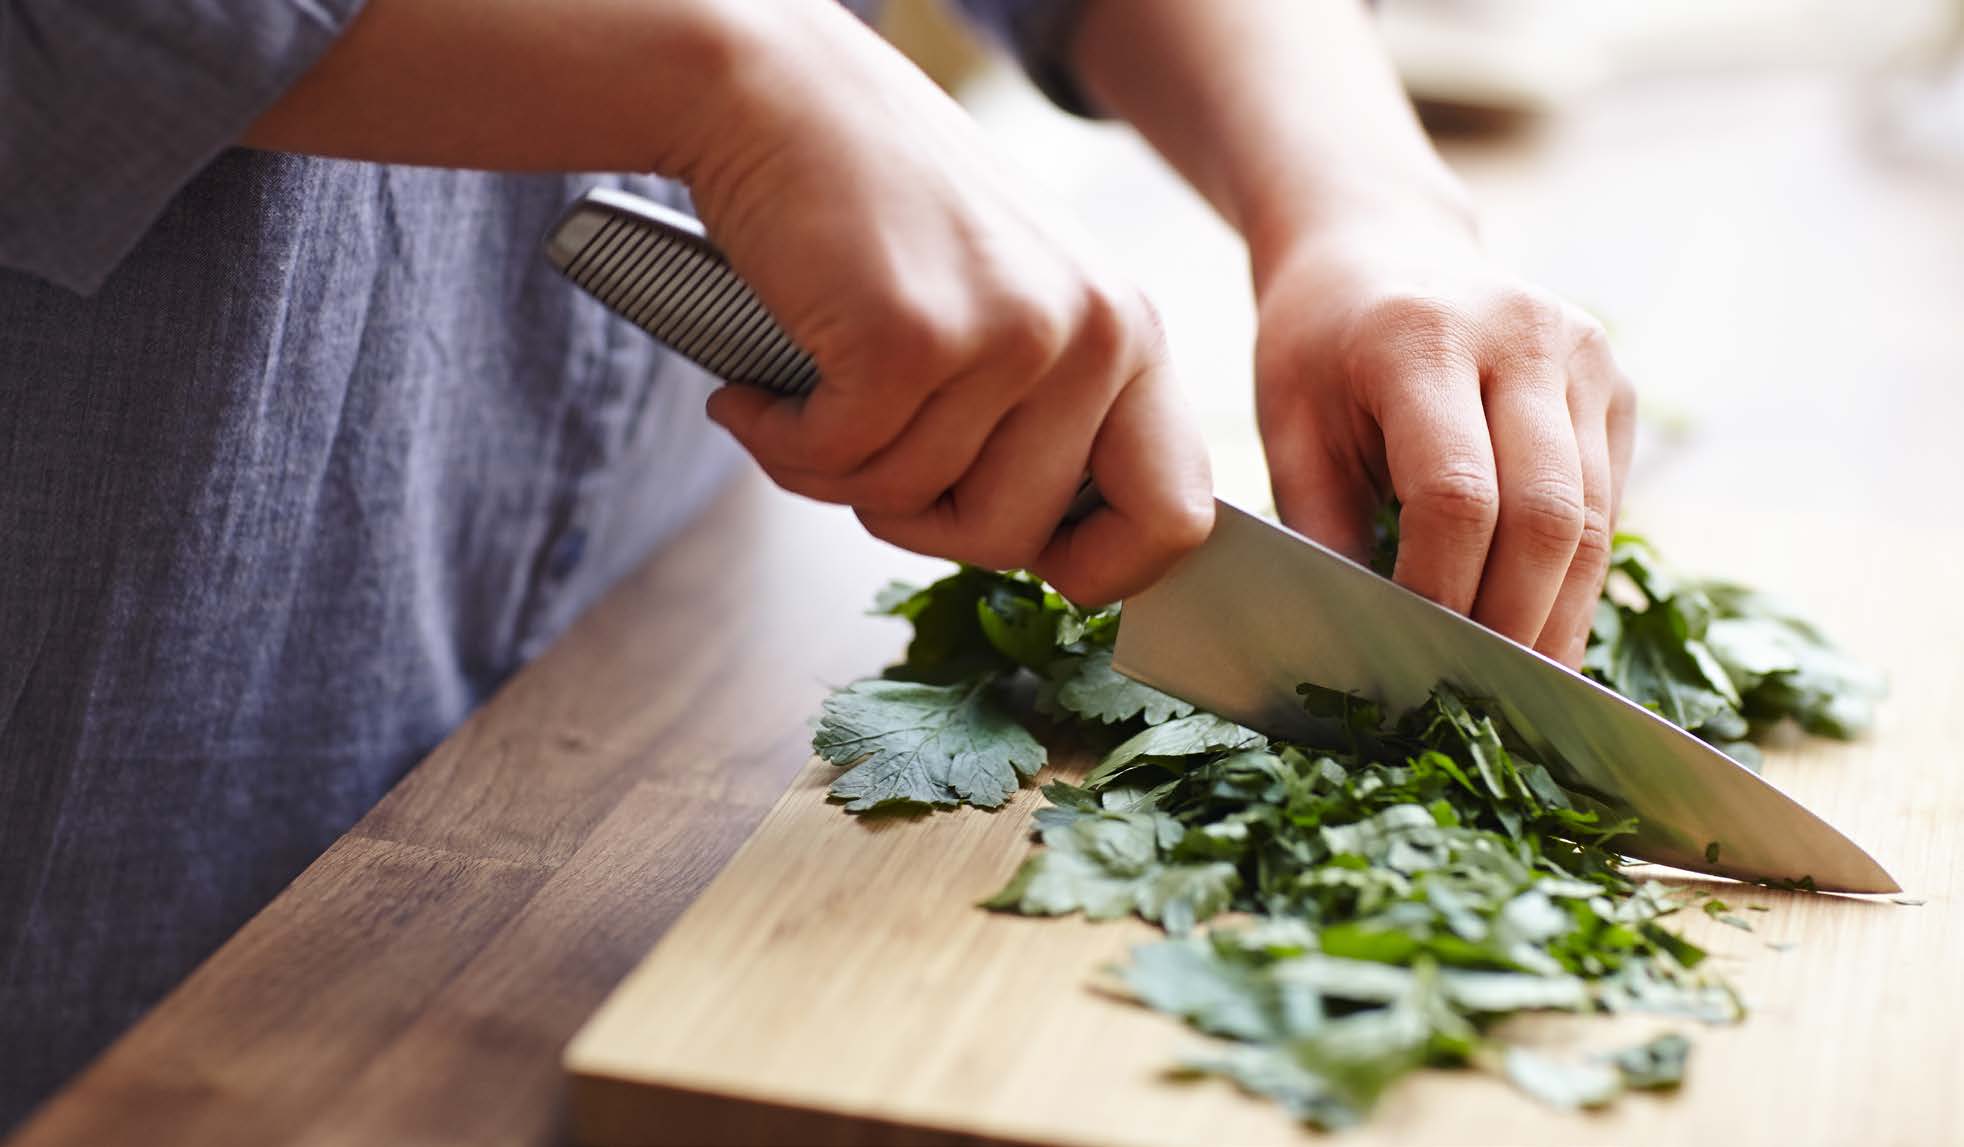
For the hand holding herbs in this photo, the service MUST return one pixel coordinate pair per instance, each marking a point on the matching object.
(1399, 882)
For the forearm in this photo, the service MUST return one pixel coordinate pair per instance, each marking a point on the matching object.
(516, 85)
(1283, 113)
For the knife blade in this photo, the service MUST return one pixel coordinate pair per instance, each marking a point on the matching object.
(1258, 609)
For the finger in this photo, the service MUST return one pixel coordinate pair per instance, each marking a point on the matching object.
(831, 430)
(1604, 405)
(1004, 508)
(1622, 444)
(1072, 386)
(1566, 633)
(1622, 428)
(1541, 498)
(1322, 488)
(1152, 468)
(929, 406)
(928, 457)
(1441, 462)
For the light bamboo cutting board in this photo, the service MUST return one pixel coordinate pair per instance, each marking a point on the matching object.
(836, 985)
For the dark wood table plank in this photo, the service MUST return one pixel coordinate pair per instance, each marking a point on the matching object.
(416, 984)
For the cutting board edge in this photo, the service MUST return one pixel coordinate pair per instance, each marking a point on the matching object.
(614, 1109)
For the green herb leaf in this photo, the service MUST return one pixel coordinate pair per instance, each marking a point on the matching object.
(1189, 736)
(1108, 864)
(1089, 687)
(1569, 1085)
(1656, 1065)
(912, 744)
(1408, 882)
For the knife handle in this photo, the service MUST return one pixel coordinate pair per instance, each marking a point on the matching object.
(656, 268)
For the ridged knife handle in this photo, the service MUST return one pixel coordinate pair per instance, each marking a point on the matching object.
(656, 268)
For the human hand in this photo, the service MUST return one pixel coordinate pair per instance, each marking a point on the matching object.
(974, 365)
(1411, 366)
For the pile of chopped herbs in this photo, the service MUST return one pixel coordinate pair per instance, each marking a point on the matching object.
(1397, 883)
(1724, 661)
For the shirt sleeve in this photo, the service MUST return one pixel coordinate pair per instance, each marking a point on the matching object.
(1039, 32)
(112, 106)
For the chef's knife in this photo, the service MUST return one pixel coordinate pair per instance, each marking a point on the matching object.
(1258, 609)
(657, 268)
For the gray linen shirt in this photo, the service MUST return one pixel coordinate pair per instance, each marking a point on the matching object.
(299, 459)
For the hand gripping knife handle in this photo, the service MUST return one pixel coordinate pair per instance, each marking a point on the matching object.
(656, 268)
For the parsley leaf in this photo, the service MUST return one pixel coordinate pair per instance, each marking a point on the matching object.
(1401, 885)
(1197, 733)
(1410, 884)
(1560, 1083)
(1656, 1065)
(1332, 1074)
(1108, 864)
(1719, 659)
(1089, 687)
(912, 744)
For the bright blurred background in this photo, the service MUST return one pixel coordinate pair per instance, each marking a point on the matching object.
(1764, 199)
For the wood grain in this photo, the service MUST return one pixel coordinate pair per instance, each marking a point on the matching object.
(416, 983)
(837, 975)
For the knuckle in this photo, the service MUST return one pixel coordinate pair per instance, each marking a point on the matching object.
(1593, 545)
(1532, 326)
(1525, 306)
(911, 342)
(1463, 498)
(1110, 321)
(1590, 334)
(1549, 515)
(1184, 525)
(1415, 316)
(1622, 394)
(1408, 327)
(1026, 337)
(1593, 363)
(1147, 324)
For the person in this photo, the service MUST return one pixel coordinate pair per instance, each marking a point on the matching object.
(304, 449)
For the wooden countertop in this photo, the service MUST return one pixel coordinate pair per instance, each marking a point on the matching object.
(1790, 301)
(416, 983)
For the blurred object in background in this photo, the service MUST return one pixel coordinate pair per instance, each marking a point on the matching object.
(1521, 57)
(1495, 63)
(1466, 60)
(1919, 118)
(933, 35)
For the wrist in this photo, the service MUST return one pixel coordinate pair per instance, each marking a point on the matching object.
(711, 50)
(1291, 218)
(746, 66)
(771, 77)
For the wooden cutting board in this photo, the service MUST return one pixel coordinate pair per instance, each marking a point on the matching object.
(836, 984)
